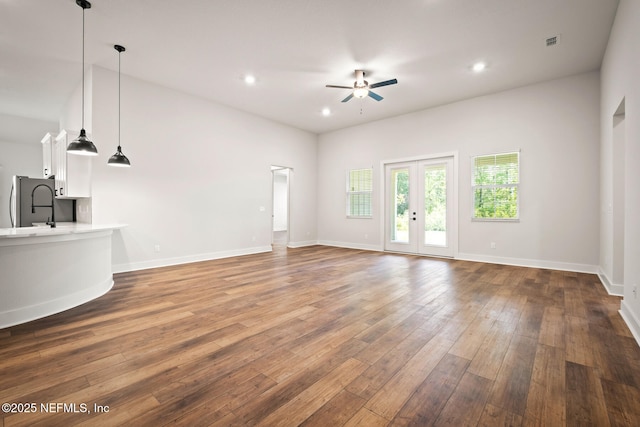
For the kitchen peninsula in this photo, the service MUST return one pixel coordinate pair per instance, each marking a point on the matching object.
(48, 270)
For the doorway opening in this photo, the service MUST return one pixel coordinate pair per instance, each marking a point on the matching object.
(280, 206)
(619, 192)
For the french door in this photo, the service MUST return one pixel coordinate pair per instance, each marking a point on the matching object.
(419, 207)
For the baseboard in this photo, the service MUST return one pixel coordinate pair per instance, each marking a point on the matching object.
(302, 244)
(534, 263)
(349, 245)
(165, 262)
(612, 289)
(631, 320)
(519, 262)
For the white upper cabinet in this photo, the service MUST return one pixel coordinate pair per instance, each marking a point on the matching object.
(47, 146)
(73, 172)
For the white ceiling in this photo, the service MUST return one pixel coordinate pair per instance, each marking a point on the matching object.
(296, 47)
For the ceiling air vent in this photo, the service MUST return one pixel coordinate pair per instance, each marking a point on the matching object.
(552, 41)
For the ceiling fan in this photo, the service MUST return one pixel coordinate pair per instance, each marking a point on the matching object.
(361, 88)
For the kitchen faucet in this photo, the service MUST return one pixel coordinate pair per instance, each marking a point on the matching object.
(52, 223)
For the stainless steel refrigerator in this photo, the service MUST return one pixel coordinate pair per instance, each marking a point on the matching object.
(30, 202)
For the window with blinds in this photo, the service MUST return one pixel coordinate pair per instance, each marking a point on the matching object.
(359, 191)
(495, 181)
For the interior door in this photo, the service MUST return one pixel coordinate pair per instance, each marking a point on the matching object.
(419, 207)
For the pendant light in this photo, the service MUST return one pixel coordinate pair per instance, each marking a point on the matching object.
(119, 159)
(82, 145)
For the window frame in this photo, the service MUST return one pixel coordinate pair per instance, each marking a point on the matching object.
(350, 192)
(474, 186)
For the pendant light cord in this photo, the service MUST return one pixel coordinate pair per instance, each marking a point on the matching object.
(82, 127)
(119, 124)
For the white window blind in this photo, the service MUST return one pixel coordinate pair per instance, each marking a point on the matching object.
(359, 191)
(495, 182)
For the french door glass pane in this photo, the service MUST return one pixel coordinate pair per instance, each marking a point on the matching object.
(435, 205)
(400, 203)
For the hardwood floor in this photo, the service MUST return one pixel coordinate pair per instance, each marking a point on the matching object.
(325, 336)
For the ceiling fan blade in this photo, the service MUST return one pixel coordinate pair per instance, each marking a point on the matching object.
(384, 83)
(340, 87)
(348, 98)
(375, 96)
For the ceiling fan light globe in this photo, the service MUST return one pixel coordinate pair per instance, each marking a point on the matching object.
(360, 92)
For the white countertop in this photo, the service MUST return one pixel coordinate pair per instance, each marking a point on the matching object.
(60, 229)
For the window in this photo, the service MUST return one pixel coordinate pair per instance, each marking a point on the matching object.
(495, 180)
(359, 190)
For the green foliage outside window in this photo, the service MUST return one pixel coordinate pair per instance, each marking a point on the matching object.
(435, 198)
(495, 186)
(402, 191)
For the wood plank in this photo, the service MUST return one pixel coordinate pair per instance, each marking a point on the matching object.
(337, 411)
(314, 397)
(393, 395)
(365, 417)
(546, 400)
(622, 403)
(511, 387)
(579, 347)
(493, 416)
(489, 356)
(471, 394)
(468, 343)
(552, 327)
(426, 403)
(307, 373)
(373, 378)
(392, 338)
(530, 320)
(585, 398)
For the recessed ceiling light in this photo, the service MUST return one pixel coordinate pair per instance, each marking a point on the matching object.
(250, 79)
(326, 112)
(479, 67)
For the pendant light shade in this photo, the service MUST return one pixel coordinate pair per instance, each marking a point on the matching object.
(119, 159)
(82, 145)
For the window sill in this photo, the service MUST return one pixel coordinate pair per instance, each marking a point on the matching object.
(495, 219)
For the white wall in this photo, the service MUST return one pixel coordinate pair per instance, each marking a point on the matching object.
(16, 159)
(20, 154)
(201, 172)
(620, 71)
(555, 125)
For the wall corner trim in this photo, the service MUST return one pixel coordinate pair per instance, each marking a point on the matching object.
(612, 288)
(631, 320)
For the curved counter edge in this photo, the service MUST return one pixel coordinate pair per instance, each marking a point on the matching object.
(51, 272)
